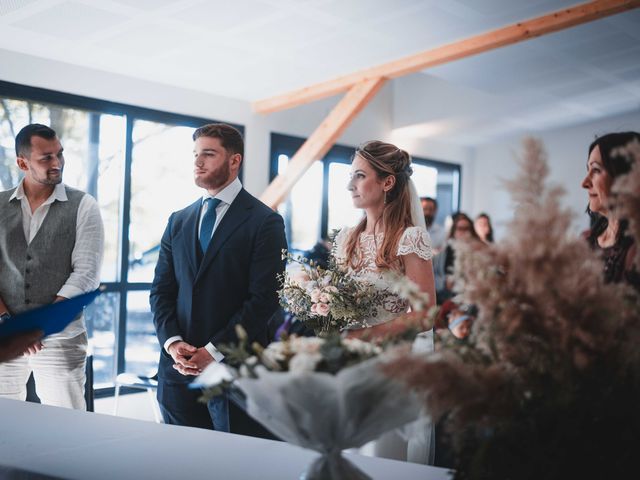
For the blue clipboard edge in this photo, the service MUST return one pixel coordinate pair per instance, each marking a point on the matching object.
(52, 318)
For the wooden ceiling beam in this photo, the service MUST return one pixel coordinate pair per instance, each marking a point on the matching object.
(515, 33)
(322, 139)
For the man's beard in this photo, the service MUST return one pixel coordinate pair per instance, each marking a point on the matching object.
(428, 219)
(49, 179)
(215, 179)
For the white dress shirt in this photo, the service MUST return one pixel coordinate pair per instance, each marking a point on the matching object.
(226, 196)
(86, 257)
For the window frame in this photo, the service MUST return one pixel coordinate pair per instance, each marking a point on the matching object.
(130, 113)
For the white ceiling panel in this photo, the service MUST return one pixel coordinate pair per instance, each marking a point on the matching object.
(69, 21)
(251, 49)
(365, 11)
(148, 40)
(145, 5)
(591, 49)
(619, 61)
(9, 6)
(223, 16)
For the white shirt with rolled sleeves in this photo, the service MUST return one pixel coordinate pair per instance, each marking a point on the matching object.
(226, 197)
(86, 257)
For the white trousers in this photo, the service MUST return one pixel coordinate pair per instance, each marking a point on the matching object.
(58, 370)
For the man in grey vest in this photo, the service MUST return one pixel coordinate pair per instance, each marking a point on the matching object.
(51, 243)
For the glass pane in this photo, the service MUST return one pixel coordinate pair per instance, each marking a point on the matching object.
(342, 213)
(94, 157)
(143, 351)
(284, 207)
(101, 317)
(448, 186)
(161, 183)
(111, 153)
(306, 208)
(425, 179)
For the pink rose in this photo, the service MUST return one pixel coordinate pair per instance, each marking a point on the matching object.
(321, 309)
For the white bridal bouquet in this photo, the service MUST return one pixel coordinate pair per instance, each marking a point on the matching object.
(326, 394)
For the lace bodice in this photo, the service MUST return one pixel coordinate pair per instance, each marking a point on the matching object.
(413, 240)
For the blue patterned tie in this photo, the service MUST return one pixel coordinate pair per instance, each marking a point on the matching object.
(208, 222)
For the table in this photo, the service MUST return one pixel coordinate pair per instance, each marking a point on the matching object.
(83, 445)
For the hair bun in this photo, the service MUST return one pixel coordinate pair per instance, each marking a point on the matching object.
(408, 170)
(404, 162)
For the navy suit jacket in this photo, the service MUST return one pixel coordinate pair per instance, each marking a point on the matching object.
(234, 283)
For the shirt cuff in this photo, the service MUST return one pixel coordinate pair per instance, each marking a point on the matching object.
(176, 338)
(69, 291)
(217, 355)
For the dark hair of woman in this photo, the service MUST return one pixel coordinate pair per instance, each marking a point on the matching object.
(459, 217)
(615, 165)
(489, 237)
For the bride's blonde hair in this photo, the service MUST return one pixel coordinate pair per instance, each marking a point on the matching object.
(385, 159)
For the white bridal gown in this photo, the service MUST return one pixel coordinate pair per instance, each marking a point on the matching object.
(416, 441)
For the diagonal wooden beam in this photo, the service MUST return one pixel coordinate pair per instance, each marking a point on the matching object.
(518, 32)
(322, 139)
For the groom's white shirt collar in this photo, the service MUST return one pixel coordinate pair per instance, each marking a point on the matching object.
(228, 194)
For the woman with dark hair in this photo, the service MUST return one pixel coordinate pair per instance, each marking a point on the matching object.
(483, 227)
(608, 233)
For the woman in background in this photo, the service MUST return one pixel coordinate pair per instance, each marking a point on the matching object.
(483, 227)
(608, 233)
(461, 231)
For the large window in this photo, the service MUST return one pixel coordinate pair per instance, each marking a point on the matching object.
(137, 163)
(320, 203)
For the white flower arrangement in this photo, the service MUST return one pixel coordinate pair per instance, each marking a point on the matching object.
(325, 394)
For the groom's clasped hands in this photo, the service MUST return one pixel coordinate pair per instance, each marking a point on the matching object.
(189, 360)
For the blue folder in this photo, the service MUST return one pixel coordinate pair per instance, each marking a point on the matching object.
(51, 318)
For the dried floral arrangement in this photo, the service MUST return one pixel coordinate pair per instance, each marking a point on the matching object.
(549, 383)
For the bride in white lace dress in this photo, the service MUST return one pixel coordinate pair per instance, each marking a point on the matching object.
(391, 239)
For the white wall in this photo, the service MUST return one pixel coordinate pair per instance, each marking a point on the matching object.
(373, 122)
(567, 150)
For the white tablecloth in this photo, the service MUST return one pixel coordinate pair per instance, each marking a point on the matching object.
(81, 445)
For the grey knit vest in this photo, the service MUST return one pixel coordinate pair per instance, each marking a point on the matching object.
(32, 274)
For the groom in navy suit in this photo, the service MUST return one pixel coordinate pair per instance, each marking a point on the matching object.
(219, 259)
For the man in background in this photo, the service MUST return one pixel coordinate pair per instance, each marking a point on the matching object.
(51, 245)
(436, 231)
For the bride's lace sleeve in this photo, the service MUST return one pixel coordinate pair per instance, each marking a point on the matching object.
(415, 240)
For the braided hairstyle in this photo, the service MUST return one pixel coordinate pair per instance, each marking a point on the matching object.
(385, 159)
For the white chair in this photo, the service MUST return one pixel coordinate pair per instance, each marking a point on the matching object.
(130, 380)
